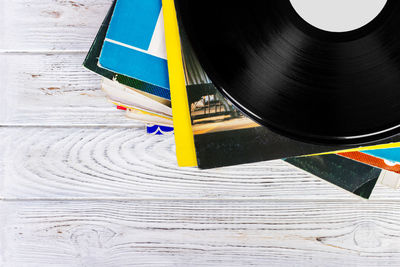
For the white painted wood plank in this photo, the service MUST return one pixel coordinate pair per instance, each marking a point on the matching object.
(43, 25)
(53, 89)
(206, 233)
(41, 86)
(64, 163)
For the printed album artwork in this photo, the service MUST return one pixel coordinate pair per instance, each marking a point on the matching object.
(212, 113)
(389, 154)
(144, 56)
(223, 135)
(137, 37)
(379, 162)
(139, 99)
(92, 62)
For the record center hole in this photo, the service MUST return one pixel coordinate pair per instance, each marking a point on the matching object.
(338, 15)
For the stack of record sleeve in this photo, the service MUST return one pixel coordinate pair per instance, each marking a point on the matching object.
(156, 72)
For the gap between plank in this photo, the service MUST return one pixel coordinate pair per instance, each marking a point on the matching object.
(40, 52)
(288, 200)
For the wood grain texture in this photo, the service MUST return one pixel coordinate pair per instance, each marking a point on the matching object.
(53, 89)
(198, 233)
(70, 162)
(50, 25)
(80, 185)
(42, 82)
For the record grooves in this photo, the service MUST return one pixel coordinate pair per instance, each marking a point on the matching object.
(308, 84)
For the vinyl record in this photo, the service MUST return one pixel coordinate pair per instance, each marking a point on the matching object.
(318, 86)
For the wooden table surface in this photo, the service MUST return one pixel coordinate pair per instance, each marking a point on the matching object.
(80, 185)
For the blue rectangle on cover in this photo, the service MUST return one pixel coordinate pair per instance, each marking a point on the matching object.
(134, 21)
(134, 46)
(144, 66)
(390, 154)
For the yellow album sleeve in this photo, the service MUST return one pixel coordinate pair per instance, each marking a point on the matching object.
(185, 149)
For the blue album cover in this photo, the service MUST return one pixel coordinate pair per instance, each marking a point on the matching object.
(390, 154)
(135, 42)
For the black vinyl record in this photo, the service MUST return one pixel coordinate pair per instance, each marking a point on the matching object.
(309, 84)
